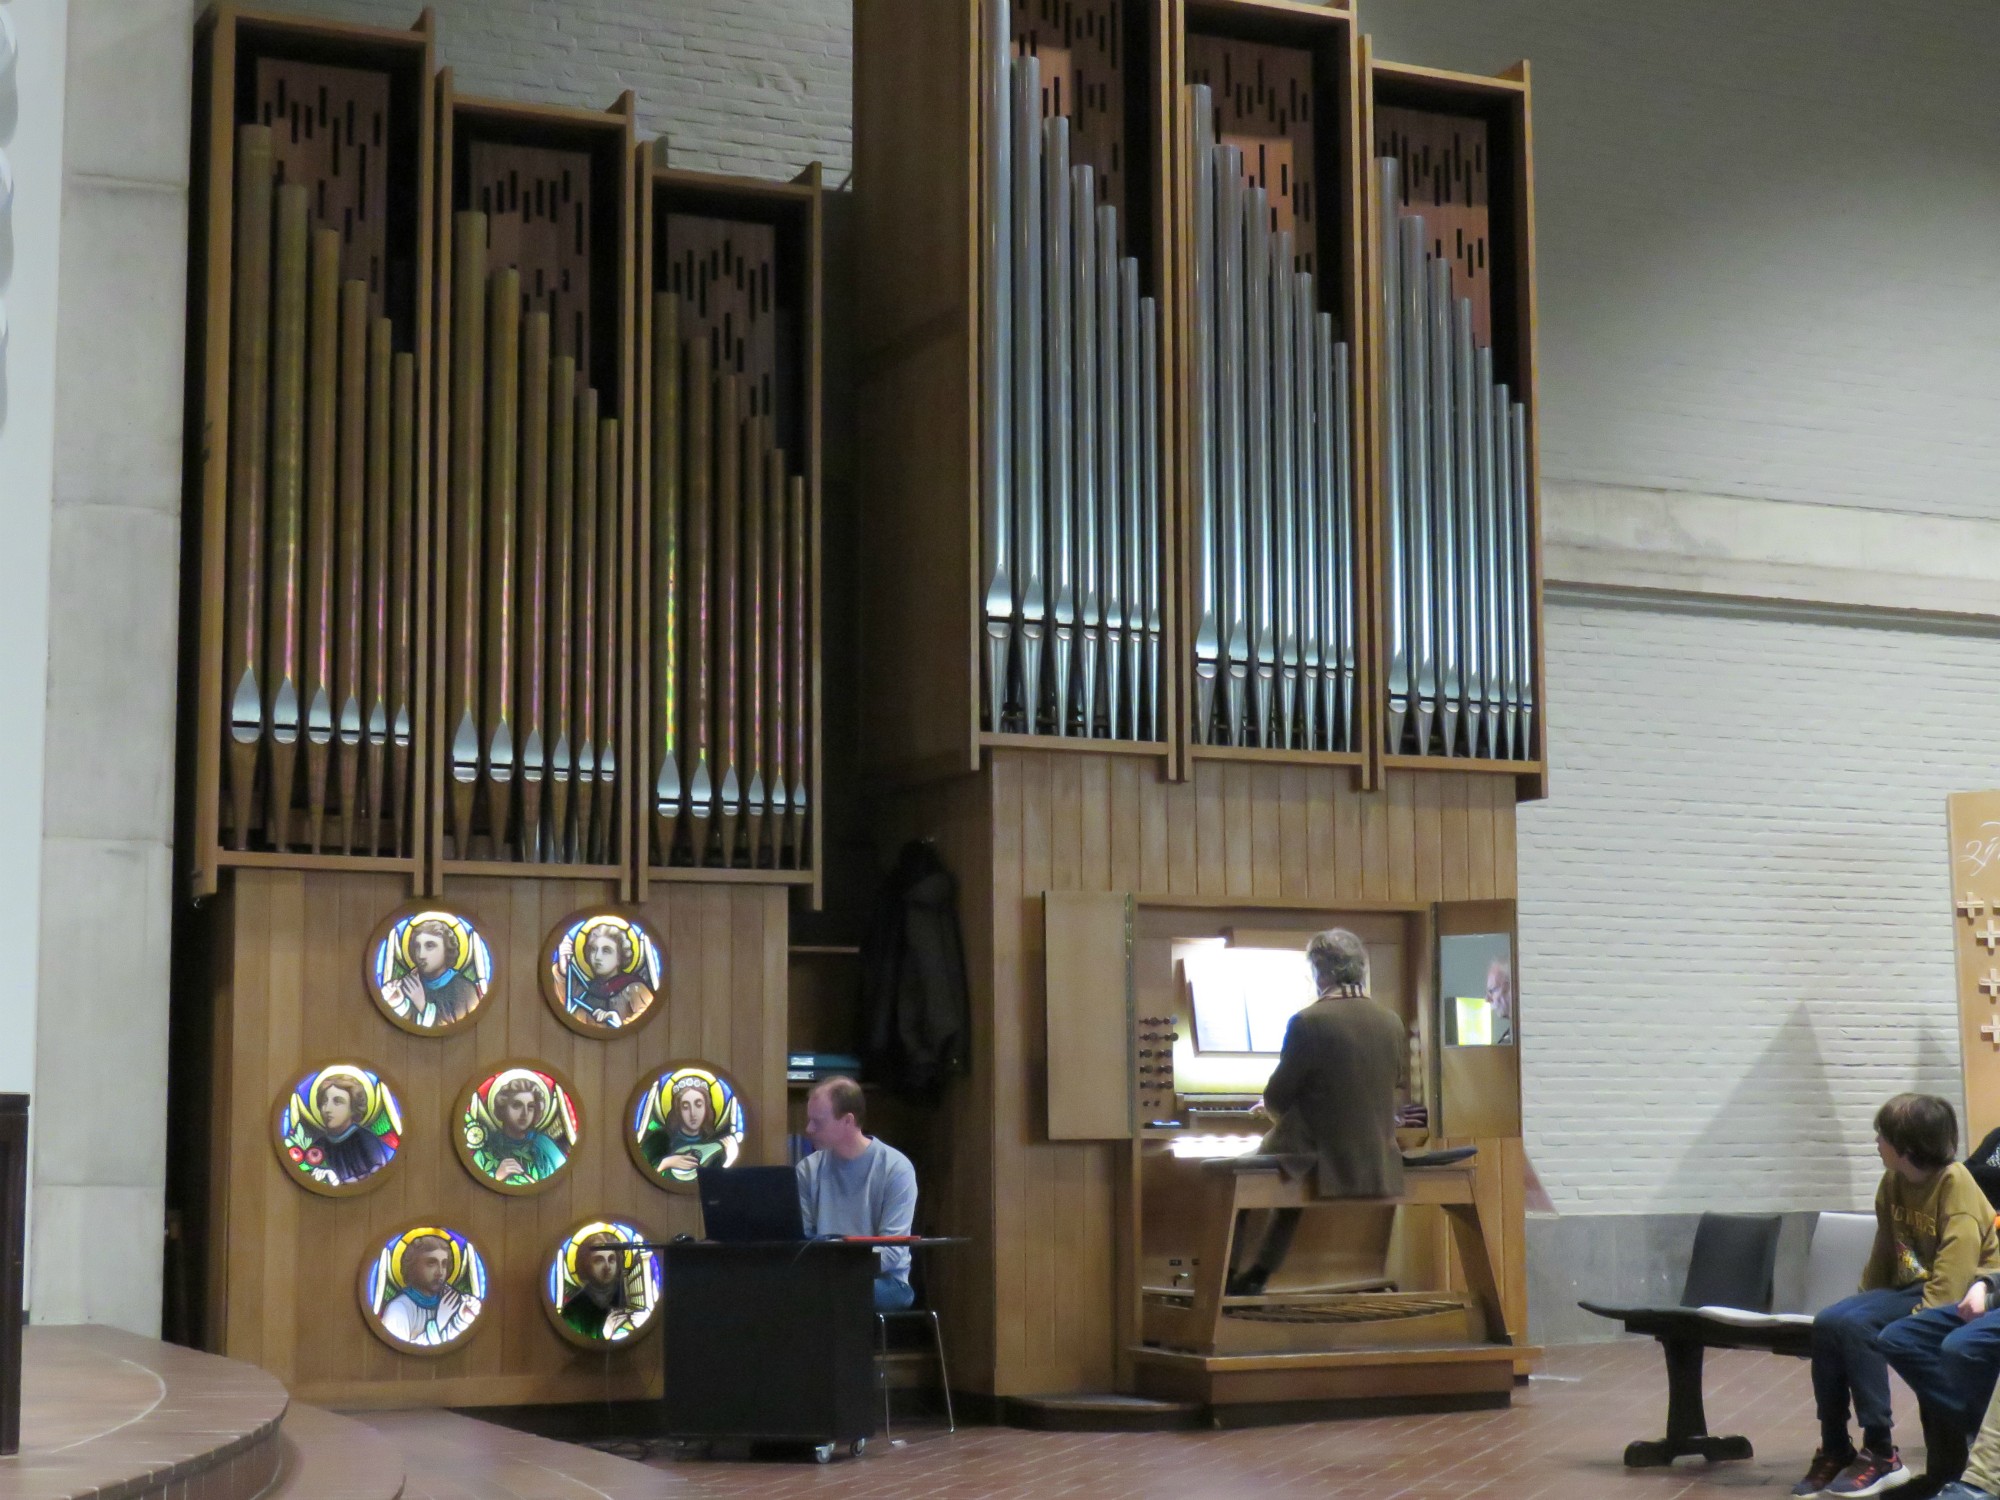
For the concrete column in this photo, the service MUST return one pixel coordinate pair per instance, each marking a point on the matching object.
(106, 855)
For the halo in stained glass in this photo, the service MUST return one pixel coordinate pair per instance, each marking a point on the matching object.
(602, 972)
(517, 1127)
(429, 970)
(598, 1289)
(423, 1289)
(685, 1116)
(338, 1128)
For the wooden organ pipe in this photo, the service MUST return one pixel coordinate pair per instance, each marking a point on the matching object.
(250, 386)
(587, 623)
(666, 501)
(463, 555)
(797, 706)
(396, 802)
(322, 431)
(604, 840)
(531, 607)
(502, 435)
(776, 787)
(288, 375)
(348, 563)
(753, 637)
(562, 625)
(375, 585)
(699, 390)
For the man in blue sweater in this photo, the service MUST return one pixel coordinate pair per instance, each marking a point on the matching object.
(854, 1184)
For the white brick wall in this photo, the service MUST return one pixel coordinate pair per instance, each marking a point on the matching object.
(1735, 909)
(758, 87)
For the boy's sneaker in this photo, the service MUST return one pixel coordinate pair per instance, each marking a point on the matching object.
(1871, 1473)
(1826, 1467)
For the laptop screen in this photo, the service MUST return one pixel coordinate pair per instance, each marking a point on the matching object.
(747, 1204)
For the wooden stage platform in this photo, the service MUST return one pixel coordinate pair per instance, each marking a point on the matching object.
(113, 1416)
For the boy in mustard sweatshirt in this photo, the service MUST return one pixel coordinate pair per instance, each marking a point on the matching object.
(1933, 1234)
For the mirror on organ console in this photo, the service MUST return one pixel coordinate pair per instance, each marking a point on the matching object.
(1476, 989)
(1476, 1018)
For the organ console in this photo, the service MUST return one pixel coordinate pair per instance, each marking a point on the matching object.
(1369, 1281)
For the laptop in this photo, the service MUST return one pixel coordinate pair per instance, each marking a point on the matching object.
(742, 1205)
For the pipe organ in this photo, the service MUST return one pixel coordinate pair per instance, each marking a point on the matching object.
(1197, 568)
(1339, 502)
(502, 651)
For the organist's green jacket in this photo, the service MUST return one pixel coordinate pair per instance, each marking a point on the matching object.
(1334, 1092)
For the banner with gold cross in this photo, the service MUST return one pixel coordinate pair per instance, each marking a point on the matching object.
(1974, 820)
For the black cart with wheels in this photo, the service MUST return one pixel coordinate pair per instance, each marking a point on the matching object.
(770, 1342)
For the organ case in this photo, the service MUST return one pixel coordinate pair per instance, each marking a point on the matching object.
(309, 378)
(1451, 298)
(728, 691)
(1019, 411)
(531, 764)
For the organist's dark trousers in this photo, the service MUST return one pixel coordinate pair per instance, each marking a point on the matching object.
(1277, 1242)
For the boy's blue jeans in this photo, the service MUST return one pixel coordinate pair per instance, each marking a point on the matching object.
(1951, 1364)
(1848, 1366)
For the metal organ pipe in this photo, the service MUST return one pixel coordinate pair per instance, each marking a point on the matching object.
(1284, 495)
(1027, 361)
(996, 386)
(1056, 252)
(1131, 422)
(1394, 500)
(1207, 632)
(1229, 373)
(1111, 459)
(1313, 536)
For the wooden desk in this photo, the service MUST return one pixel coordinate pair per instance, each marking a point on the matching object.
(770, 1342)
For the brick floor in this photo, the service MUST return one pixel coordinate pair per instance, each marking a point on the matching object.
(1563, 1439)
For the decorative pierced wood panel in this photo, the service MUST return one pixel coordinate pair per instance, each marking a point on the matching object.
(724, 271)
(1264, 106)
(329, 132)
(1081, 47)
(537, 206)
(1444, 170)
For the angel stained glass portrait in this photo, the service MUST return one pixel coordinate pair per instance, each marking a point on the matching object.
(424, 1289)
(686, 1117)
(602, 972)
(517, 1127)
(430, 971)
(337, 1128)
(599, 1289)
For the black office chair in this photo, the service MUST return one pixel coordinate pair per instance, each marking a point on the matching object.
(1732, 1266)
(916, 1312)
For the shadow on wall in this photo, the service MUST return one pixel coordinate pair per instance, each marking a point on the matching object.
(1781, 1109)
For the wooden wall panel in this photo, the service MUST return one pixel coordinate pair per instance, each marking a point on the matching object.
(1035, 1297)
(958, 1189)
(916, 106)
(292, 994)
